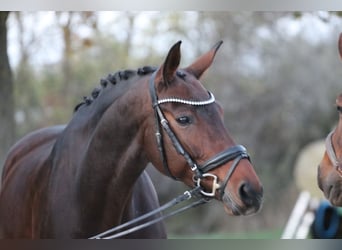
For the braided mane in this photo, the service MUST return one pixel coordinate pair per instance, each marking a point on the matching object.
(115, 78)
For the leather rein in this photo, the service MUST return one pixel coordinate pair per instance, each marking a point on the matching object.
(235, 154)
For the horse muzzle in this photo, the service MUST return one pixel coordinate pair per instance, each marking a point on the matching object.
(241, 198)
(331, 185)
(246, 200)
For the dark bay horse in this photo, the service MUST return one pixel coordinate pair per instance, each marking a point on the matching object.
(330, 168)
(81, 179)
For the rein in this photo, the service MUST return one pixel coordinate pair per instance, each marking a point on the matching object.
(235, 154)
(117, 232)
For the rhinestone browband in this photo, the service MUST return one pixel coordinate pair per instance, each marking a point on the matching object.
(188, 102)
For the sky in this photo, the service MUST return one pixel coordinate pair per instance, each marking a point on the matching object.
(41, 27)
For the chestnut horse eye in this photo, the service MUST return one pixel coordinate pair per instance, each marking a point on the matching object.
(184, 120)
(339, 109)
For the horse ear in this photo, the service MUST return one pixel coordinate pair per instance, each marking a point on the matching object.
(167, 70)
(203, 62)
(340, 45)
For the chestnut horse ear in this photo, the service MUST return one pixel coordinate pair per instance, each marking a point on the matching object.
(198, 67)
(166, 72)
(340, 45)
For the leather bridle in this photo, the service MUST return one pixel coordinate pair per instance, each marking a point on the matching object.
(332, 154)
(235, 153)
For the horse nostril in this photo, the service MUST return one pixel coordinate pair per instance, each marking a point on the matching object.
(248, 195)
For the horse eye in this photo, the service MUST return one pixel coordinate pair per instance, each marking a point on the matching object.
(339, 109)
(184, 120)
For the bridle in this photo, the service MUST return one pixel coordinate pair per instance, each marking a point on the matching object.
(235, 154)
(330, 149)
(332, 154)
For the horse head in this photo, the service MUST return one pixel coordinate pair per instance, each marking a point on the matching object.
(193, 144)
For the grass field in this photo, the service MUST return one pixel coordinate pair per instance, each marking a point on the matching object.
(274, 234)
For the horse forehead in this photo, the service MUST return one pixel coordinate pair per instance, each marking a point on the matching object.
(189, 87)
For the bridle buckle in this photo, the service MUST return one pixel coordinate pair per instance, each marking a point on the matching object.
(194, 167)
(215, 184)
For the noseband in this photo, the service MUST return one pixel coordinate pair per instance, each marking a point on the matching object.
(235, 153)
(331, 153)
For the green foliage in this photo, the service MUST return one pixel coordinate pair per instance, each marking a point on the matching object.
(259, 234)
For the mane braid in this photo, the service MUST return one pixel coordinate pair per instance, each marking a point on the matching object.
(115, 78)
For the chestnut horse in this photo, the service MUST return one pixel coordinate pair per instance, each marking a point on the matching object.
(330, 168)
(82, 179)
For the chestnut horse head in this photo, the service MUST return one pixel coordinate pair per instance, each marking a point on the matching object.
(198, 149)
(83, 181)
(330, 168)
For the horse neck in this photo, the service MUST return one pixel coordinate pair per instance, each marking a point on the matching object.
(106, 142)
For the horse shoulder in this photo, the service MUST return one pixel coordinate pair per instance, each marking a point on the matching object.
(25, 171)
(32, 142)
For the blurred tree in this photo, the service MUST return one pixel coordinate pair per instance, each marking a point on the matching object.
(27, 101)
(7, 128)
(64, 19)
(73, 43)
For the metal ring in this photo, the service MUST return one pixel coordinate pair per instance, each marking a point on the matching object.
(215, 185)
